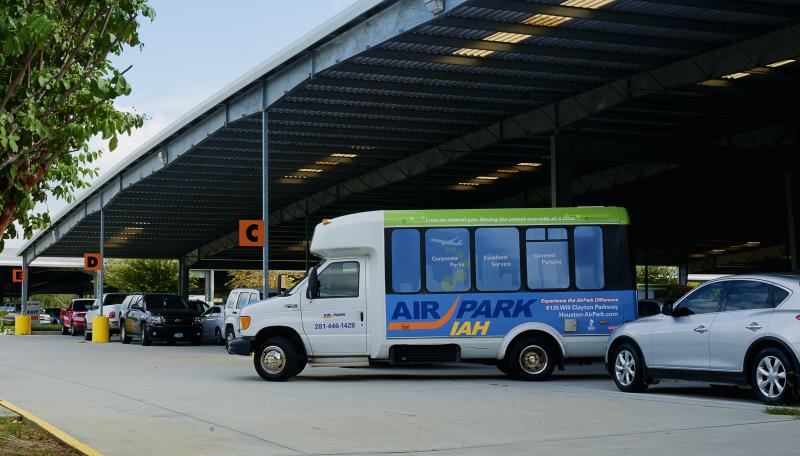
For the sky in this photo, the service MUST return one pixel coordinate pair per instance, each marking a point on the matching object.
(193, 49)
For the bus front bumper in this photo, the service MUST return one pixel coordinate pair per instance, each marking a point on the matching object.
(240, 346)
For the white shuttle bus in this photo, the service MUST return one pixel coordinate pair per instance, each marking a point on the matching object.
(524, 289)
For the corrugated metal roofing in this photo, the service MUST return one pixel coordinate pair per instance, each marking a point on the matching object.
(408, 92)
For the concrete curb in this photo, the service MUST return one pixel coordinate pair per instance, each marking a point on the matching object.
(57, 433)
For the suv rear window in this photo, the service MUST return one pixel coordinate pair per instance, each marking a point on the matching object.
(82, 305)
(114, 299)
(160, 302)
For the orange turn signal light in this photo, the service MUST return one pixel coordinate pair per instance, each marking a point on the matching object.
(244, 322)
(326, 221)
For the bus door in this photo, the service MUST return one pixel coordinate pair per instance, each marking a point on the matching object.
(335, 320)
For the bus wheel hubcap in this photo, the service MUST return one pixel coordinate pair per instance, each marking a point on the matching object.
(771, 376)
(273, 359)
(625, 368)
(533, 359)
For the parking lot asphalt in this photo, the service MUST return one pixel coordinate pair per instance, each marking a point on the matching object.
(184, 400)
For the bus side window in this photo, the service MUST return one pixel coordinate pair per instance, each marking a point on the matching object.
(447, 260)
(497, 259)
(547, 258)
(589, 267)
(406, 274)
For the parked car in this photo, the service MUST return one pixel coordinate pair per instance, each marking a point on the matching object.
(111, 307)
(54, 313)
(199, 303)
(45, 319)
(9, 307)
(160, 316)
(73, 318)
(237, 300)
(740, 330)
(213, 325)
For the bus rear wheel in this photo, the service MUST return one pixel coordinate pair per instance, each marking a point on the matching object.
(531, 358)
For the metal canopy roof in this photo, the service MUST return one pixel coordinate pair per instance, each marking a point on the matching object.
(390, 106)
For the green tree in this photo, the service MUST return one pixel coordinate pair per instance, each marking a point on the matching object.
(657, 275)
(57, 87)
(245, 278)
(144, 275)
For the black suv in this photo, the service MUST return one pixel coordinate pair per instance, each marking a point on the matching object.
(160, 316)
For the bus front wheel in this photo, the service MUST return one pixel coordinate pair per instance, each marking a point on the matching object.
(531, 358)
(276, 359)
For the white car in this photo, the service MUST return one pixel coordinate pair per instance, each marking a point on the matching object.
(740, 330)
(111, 309)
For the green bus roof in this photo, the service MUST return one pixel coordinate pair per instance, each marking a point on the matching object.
(485, 217)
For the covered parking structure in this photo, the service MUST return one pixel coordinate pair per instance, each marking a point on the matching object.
(683, 111)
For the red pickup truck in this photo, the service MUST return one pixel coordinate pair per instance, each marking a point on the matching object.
(73, 318)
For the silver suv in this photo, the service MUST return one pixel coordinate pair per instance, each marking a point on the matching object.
(741, 330)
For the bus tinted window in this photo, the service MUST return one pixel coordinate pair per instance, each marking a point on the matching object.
(589, 270)
(497, 259)
(557, 233)
(447, 255)
(405, 261)
(548, 260)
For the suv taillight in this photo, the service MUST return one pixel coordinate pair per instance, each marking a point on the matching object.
(112, 314)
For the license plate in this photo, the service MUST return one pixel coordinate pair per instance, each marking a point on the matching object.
(178, 335)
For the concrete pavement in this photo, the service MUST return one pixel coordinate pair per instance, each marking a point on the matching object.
(183, 400)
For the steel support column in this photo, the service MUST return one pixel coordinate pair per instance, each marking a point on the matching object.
(792, 185)
(208, 289)
(265, 196)
(99, 294)
(561, 165)
(183, 278)
(683, 274)
(25, 281)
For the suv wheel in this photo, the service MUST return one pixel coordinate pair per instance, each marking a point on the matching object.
(628, 369)
(276, 359)
(123, 334)
(532, 358)
(87, 335)
(145, 336)
(72, 331)
(229, 334)
(64, 330)
(771, 377)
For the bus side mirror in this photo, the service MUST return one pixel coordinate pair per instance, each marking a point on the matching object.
(313, 284)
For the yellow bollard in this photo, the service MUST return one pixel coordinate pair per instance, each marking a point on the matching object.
(100, 330)
(22, 325)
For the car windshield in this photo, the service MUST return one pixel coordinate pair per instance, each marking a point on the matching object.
(82, 305)
(164, 302)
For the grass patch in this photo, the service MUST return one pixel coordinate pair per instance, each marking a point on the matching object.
(39, 327)
(18, 438)
(788, 411)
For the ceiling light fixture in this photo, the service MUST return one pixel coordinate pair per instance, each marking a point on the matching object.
(781, 63)
(736, 76)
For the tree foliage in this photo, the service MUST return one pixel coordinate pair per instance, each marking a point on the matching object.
(243, 278)
(57, 87)
(145, 275)
(657, 275)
